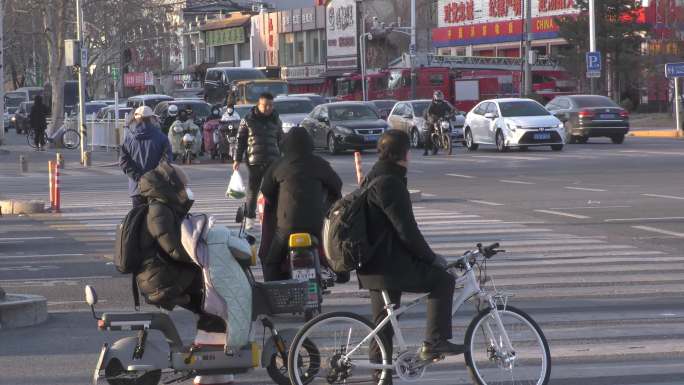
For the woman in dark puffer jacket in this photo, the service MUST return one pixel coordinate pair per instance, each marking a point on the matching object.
(169, 277)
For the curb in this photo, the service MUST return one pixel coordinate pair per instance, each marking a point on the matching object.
(416, 195)
(12, 206)
(671, 133)
(21, 310)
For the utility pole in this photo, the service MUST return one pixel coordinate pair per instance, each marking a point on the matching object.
(362, 46)
(592, 39)
(81, 78)
(412, 49)
(2, 79)
(528, 47)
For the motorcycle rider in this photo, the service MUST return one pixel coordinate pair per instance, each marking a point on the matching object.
(438, 109)
(170, 118)
(299, 188)
(211, 125)
(179, 128)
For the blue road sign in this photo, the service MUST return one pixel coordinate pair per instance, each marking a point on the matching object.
(674, 70)
(594, 64)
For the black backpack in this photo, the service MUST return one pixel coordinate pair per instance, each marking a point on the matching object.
(127, 251)
(345, 235)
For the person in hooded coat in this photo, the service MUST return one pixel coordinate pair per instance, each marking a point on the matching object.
(38, 121)
(299, 187)
(168, 276)
(143, 148)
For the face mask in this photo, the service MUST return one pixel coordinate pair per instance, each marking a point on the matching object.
(189, 193)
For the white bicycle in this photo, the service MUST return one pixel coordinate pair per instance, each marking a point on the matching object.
(503, 345)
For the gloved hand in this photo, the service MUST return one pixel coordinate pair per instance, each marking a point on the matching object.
(439, 262)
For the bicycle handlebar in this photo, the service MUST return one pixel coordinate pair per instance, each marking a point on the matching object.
(486, 251)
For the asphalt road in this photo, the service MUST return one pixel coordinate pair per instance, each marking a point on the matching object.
(595, 240)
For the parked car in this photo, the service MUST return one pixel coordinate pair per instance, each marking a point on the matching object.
(150, 100)
(513, 122)
(587, 116)
(188, 93)
(344, 126)
(108, 112)
(200, 109)
(20, 119)
(409, 116)
(292, 111)
(93, 107)
(219, 80)
(316, 99)
(384, 107)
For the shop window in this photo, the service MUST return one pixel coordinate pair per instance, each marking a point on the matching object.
(299, 48)
(287, 49)
(313, 47)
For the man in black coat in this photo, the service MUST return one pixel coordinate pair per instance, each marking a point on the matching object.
(300, 186)
(258, 137)
(403, 260)
(38, 122)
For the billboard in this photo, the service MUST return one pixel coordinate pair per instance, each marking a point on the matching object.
(467, 22)
(341, 35)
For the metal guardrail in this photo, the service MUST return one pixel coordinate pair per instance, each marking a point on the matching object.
(101, 134)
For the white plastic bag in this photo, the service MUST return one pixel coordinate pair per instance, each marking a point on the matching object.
(236, 188)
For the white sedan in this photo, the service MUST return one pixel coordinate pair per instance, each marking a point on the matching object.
(512, 122)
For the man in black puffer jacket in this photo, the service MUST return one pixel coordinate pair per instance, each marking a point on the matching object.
(300, 186)
(168, 276)
(258, 137)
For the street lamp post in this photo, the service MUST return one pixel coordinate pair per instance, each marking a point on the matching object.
(592, 39)
(412, 49)
(528, 47)
(81, 79)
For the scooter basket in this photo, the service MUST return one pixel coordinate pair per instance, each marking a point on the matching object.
(281, 297)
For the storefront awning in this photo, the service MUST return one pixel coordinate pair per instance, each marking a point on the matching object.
(233, 21)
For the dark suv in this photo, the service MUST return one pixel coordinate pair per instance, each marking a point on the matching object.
(587, 116)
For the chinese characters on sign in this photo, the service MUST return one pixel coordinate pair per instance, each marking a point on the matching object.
(341, 35)
(504, 8)
(456, 12)
(225, 36)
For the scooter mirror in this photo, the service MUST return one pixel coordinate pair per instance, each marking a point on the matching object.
(90, 295)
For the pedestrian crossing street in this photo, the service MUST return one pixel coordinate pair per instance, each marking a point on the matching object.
(542, 267)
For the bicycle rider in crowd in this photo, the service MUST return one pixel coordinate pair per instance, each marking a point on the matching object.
(438, 109)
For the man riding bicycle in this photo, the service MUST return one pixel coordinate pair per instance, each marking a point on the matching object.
(438, 109)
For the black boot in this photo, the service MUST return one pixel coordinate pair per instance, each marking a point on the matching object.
(430, 351)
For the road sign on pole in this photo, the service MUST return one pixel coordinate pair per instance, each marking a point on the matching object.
(594, 64)
(674, 70)
(115, 74)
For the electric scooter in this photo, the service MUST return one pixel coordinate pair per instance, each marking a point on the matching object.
(139, 360)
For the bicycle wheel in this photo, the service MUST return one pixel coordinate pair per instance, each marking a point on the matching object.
(31, 138)
(71, 139)
(488, 364)
(332, 335)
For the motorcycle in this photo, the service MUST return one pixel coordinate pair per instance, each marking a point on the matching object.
(139, 360)
(226, 137)
(441, 135)
(304, 262)
(184, 144)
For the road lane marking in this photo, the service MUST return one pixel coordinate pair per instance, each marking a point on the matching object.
(513, 157)
(642, 219)
(660, 231)
(24, 239)
(663, 196)
(584, 189)
(589, 207)
(39, 256)
(486, 203)
(552, 212)
(514, 181)
(461, 176)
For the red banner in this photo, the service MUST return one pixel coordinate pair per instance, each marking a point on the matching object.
(484, 33)
(134, 79)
